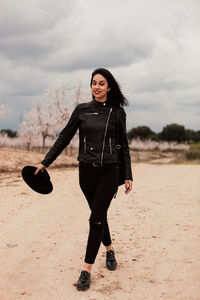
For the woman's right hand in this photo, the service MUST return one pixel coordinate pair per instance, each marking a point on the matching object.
(40, 167)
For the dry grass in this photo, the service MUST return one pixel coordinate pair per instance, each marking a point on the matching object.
(13, 160)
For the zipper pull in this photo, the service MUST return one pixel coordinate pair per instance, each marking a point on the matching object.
(110, 143)
(92, 113)
(84, 141)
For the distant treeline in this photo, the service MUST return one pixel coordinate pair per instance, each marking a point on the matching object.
(172, 132)
(9, 132)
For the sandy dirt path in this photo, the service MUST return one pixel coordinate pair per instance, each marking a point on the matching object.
(155, 232)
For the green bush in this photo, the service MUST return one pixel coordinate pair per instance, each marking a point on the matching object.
(173, 132)
(195, 146)
(193, 154)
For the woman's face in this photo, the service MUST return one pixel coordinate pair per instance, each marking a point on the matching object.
(100, 87)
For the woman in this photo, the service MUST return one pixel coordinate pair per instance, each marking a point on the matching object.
(98, 161)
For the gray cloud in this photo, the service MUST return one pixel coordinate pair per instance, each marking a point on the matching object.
(30, 30)
(114, 54)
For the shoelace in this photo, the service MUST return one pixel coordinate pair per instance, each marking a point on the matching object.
(111, 255)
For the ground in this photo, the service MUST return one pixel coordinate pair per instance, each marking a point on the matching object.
(155, 233)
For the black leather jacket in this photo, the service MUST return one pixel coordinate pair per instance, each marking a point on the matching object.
(96, 122)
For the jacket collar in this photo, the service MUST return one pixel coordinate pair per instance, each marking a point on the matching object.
(99, 104)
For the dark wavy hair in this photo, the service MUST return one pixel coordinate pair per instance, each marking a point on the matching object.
(115, 96)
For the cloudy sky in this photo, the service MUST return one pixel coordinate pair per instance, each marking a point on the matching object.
(151, 46)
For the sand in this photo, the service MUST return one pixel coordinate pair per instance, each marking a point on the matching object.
(155, 232)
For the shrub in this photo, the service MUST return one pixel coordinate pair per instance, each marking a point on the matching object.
(142, 132)
(173, 132)
(137, 144)
(192, 154)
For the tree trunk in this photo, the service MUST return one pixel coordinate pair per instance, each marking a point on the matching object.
(43, 142)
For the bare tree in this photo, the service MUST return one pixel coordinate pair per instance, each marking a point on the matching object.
(47, 117)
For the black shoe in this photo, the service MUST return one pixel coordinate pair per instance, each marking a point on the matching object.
(83, 282)
(111, 262)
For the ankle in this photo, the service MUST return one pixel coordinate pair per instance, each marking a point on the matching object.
(87, 267)
(84, 269)
(110, 247)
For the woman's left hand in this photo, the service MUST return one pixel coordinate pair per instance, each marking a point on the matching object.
(128, 186)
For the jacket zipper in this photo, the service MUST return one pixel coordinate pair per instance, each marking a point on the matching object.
(84, 141)
(105, 135)
(92, 113)
(110, 143)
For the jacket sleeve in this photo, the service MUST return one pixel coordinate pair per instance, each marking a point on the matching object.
(125, 146)
(64, 138)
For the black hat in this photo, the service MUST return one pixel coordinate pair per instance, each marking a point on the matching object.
(39, 183)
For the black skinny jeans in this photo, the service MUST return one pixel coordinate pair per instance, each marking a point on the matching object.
(99, 184)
